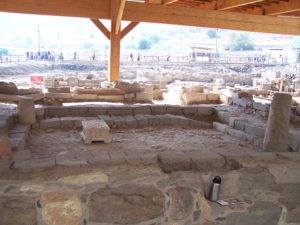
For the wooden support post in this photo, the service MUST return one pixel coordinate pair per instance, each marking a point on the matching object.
(115, 42)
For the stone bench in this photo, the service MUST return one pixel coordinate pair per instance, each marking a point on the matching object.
(95, 130)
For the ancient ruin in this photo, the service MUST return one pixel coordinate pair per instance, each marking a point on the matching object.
(135, 146)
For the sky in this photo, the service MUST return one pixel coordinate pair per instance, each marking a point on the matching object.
(69, 33)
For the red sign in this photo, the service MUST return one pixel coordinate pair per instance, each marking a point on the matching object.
(36, 79)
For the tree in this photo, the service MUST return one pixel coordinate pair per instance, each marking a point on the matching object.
(211, 33)
(145, 44)
(241, 42)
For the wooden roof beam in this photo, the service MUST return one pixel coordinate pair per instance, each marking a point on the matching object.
(167, 2)
(283, 7)
(230, 4)
(102, 28)
(128, 28)
(119, 16)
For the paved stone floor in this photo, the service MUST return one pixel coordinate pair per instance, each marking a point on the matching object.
(150, 176)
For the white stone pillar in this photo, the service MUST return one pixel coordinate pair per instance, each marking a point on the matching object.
(26, 110)
(277, 131)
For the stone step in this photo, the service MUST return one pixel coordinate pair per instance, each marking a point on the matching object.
(18, 136)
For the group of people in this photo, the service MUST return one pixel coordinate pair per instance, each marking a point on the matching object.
(44, 55)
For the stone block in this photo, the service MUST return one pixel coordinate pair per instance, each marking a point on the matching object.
(129, 97)
(141, 109)
(206, 161)
(49, 82)
(86, 97)
(3, 127)
(141, 121)
(143, 97)
(18, 141)
(214, 97)
(34, 164)
(95, 130)
(226, 99)
(170, 162)
(59, 90)
(183, 121)
(78, 111)
(36, 97)
(21, 155)
(255, 130)
(261, 107)
(194, 98)
(5, 147)
(158, 109)
(243, 102)
(26, 111)
(130, 121)
(294, 141)
(173, 120)
(97, 110)
(223, 116)
(63, 96)
(50, 123)
(190, 110)
(9, 98)
(220, 127)
(240, 134)
(176, 110)
(153, 120)
(118, 122)
(71, 122)
(205, 111)
(140, 158)
(200, 124)
(108, 120)
(53, 111)
(232, 120)
(69, 159)
(120, 111)
(72, 81)
(40, 112)
(20, 129)
(111, 98)
(163, 120)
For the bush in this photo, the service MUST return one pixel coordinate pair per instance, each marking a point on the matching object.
(241, 42)
(212, 33)
(3, 51)
(145, 44)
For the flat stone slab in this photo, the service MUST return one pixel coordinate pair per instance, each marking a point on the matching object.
(95, 130)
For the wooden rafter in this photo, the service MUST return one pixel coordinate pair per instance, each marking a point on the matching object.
(101, 27)
(230, 4)
(167, 2)
(283, 7)
(119, 16)
(128, 28)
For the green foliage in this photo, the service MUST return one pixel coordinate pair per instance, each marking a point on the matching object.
(212, 33)
(144, 44)
(241, 42)
(3, 51)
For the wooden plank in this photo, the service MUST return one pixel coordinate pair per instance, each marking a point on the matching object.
(167, 2)
(86, 8)
(128, 28)
(230, 4)
(172, 14)
(119, 15)
(101, 27)
(283, 7)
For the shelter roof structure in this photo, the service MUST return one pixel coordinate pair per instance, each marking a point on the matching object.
(270, 16)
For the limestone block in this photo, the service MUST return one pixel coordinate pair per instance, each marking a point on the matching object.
(243, 102)
(108, 120)
(129, 96)
(198, 89)
(240, 134)
(9, 98)
(50, 123)
(255, 130)
(294, 141)
(63, 96)
(5, 147)
(215, 97)
(26, 110)
(59, 90)
(200, 124)
(158, 109)
(148, 88)
(141, 120)
(206, 161)
(223, 116)
(176, 110)
(118, 122)
(183, 121)
(141, 109)
(120, 111)
(111, 98)
(60, 111)
(87, 97)
(97, 110)
(71, 122)
(194, 98)
(170, 162)
(69, 159)
(40, 111)
(78, 111)
(261, 107)
(205, 111)
(190, 110)
(173, 120)
(163, 120)
(130, 121)
(32, 164)
(143, 97)
(226, 99)
(95, 130)
(220, 127)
